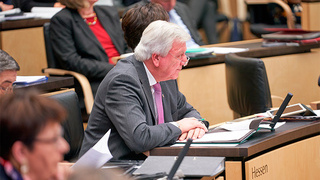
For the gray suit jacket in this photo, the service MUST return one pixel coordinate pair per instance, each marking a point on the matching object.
(124, 104)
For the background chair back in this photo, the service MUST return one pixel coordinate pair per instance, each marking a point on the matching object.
(49, 52)
(248, 89)
(73, 126)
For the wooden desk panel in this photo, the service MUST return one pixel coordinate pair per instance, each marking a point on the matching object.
(52, 84)
(300, 160)
(20, 24)
(257, 144)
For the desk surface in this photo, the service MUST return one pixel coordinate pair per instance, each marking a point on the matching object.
(25, 23)
(258, 143)
(255, 50)
(52, 84)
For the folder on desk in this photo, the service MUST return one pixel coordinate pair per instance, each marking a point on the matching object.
(238, 132)
(191, 166)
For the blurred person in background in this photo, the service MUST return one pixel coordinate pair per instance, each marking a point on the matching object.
(31, 137)
(138, 18)
(5, 5)
(27, 5)
(85, 38)
(8, 72)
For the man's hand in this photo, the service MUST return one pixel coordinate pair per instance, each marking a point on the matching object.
(193, 134)
(5, 7)
(191, 128)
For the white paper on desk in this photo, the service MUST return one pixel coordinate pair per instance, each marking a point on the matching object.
(222, 137)
(96, 156)
(317, 112)
(29, 79)
(226, 50)
(45, 12)
(205, 145)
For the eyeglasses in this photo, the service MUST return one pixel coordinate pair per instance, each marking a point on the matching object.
(6, 90)
(179, 58)
(53, 140)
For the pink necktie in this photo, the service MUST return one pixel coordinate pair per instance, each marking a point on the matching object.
(158, 99)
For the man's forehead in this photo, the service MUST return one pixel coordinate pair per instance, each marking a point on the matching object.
(8, 76)
(178, 45)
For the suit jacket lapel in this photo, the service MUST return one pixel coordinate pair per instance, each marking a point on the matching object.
(165, 102)
(146, 87)
(86, 30)
(107, 25)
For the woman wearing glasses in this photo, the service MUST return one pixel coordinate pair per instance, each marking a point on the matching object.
(31, 137)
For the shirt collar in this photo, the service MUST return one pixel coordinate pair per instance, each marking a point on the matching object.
(152, 80)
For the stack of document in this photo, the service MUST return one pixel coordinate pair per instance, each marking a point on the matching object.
(291, 37)
(234, 132)
(30, 79)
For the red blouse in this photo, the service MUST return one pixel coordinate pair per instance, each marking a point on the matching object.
(103, 37)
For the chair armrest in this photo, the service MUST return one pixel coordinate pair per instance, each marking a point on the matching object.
(86, 88)
(285, 6)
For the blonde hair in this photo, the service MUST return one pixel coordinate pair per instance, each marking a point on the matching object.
(74, 4)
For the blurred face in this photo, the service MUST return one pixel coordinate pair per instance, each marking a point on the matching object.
(7, 78)
(166, 4)
(171, 65)
(49, 149)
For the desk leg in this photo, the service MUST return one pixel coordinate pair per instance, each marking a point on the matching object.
(233, 170)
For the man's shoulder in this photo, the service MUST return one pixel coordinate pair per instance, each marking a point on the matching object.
(124, 66)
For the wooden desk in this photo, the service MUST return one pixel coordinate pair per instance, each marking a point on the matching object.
(290, 152)
(289, 69)
(255, 50)
(310, 15)
(23, 40)
(52, 84)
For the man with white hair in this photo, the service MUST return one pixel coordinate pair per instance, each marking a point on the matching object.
(8, 72)
(127, 101)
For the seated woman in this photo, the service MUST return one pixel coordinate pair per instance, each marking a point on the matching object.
(27, 5)
(138, 18)
(31, 137)
(86, 37)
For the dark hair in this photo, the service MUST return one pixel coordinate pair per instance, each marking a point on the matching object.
(7, 62)
(23, 115)
(138, 18)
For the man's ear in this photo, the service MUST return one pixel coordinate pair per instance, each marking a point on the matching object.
(156, 59)
(19, 151)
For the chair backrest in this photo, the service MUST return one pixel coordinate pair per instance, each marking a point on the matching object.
(73, 126)
(265, 14)
(248, 89)
(49, 51)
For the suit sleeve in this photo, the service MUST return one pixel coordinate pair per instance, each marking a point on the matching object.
(126, 107)
(64, 46)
